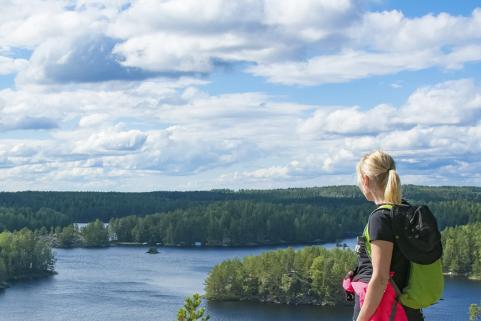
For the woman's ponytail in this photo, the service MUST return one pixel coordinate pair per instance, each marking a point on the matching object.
(392, 193)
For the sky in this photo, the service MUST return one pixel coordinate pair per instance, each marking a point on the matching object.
(147, 95)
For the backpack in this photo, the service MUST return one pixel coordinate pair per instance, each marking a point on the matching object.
(419, 240)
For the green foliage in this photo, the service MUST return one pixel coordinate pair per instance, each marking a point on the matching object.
(95, 234)
(462, 250)
(12, 219)
(309, 276)
(68, 237)
(234, 223)
(191, 311)
(474, 312)
(24, 254)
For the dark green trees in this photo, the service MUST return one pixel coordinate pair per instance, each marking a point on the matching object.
(462, 250)
(12, 219)
(309, 276)
(95, 234)
(240, 223)
(68, 237)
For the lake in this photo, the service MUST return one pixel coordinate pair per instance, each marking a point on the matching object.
(125, 284)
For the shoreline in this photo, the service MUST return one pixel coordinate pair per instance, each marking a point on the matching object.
(462, 275)
(248, 245)
(26, 277)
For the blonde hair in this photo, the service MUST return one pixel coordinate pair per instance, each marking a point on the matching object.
(381, 169)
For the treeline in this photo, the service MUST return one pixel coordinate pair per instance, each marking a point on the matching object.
(225, 217)
(24, 254)
(462, 250)
(308, 276)
(89, 206)
(235, 223)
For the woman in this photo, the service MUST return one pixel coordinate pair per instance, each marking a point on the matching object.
(380, 183)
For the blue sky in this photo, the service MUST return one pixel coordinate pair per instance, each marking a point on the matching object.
(183, 95)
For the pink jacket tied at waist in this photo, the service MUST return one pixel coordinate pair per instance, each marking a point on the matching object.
(384, 310)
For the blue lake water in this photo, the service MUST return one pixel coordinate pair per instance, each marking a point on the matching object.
(125, 284)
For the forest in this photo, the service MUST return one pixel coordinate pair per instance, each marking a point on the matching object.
(462, 250)
(83, 207)
(225, 217)
(24, 255)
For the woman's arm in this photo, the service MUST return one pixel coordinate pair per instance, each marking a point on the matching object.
(381, 253)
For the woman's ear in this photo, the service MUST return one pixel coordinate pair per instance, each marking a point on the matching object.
(365, 182)
(365, 187)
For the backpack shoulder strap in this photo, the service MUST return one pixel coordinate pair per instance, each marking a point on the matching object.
(366, 229)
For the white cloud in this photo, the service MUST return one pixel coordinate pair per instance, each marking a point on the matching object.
(350, 65)
(112, 140)
(350, 120)
(159, 130)
(449, 103)
(93, 120)
(11, 65)
(385, 43)
(305, 42)
(189, 36)
(392, 31)
(27, 26)
(452, 102)
(270, 172)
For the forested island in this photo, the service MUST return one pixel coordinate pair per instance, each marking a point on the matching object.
(313, 275)
(308, 276)
(24, 255)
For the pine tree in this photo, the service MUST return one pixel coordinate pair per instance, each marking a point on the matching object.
(191, 311)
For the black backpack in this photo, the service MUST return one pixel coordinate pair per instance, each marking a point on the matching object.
(416, 231)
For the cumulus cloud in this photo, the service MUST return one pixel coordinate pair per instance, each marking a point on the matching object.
(149, 130)
(350, 120)
(450, 103)
(305, 42)
(384, 43)
(167, 36)
(111, 140)
(84, 59)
